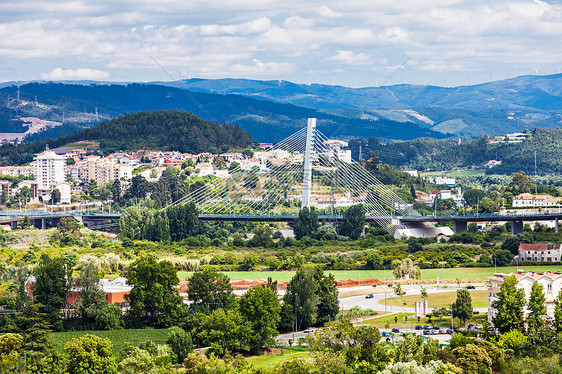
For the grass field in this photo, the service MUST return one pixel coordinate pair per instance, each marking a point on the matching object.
(269, 361)
(119, 338)
(465, 275)
(440, 300)
(408, 321)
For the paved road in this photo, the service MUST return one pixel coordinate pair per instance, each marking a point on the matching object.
(378, 301)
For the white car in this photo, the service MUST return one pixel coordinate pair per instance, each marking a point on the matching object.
(308, 330)
(478, 327)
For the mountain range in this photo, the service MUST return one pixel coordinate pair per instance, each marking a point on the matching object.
(272, 110)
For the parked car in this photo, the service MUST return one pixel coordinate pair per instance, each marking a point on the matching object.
(470, 287)
(427, 327)
(470, 327)
(369, 296)
(419, 327)
(395, 329)
(442, 331)
(427, 332)
(308, 330)
(436, 327)
(478, 326)
(385, 334)
(449, 331)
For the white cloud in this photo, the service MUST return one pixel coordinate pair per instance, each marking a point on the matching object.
(59, 74)
(256, 26)
(350, 58)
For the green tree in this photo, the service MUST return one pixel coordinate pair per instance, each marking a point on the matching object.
(353, 221)
(509, 306)
(183, 220)
(225, 331)
(262, 236)
(502, 257)
(513, 340)
(10, 352)
(55, 196)
(462, 307)
(520, 183)
(487, 205)
(180, 343)
(473, 359)
(507, 199)
(154, 299)
(26, 223)
(90, 354)
(209, 290)
(406, 268)
(138, 361)
(558, 313)
(51, 287)
(473, 196)
(261, 309)
(328, 299)
(536, 306)
(306, 223)
(302, 295)
(472, 227)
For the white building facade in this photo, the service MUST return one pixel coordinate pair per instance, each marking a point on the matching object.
(49, 169)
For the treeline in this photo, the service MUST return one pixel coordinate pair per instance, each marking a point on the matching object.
(438, 154)
(163, 129)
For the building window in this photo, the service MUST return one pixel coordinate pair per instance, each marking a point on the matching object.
(549, 287)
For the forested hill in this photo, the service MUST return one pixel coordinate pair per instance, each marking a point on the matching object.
(162, 129)
(433, 154)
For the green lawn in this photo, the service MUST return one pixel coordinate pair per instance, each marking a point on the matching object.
(465, 275)
(439, 300)
(408, 321)
(119, 338)
(269, 361)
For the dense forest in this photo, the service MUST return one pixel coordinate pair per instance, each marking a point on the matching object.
(446, 154)
(165, 130)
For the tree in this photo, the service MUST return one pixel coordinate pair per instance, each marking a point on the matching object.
(406, 268)
(26, 223)
(558, 313)
(462, 307)
(138, 361)
(503, 257)
(10, 347)
(472, 227)
(473, 195)
(487, 205)
(509, 306)
(261, 308)
(154, 299)
(473, 359)
(183, 220)
(513, 340)
(180, 343)
(301, 294)
(353, 221)
(93, 188)
(51, 286)
(55, 196)
(520, 183)
(328, 299)
(209, 290)
(90, 354)
(306, 223)
(262, 236)
(225, 331)
(536, 307)
(116, 190)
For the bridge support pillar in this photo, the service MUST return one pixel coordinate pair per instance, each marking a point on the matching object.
(460, 227)
(43, 224)
(14, 225)
(516, 227)
(556, 226)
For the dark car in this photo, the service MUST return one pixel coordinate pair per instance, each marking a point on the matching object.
(385, 334)
(419, 327)
(470, 287)
(369, 296)
(436, 327)
(427, 332)
(449, 331)
(427, 327)
(470, 327)
(395, 329)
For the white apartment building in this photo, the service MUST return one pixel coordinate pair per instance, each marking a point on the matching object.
(551, 282)
(106, 170)
(527, 200)
(49, 169)
(15, 171)
(539, 252)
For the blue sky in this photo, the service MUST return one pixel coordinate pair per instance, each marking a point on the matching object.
(350, 43)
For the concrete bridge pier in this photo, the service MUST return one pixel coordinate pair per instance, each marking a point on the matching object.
(14, 225)
(460, 227)
(516, 227)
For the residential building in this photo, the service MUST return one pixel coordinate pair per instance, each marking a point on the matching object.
(15, 171)
(551, 282)
(65, 190)
(49, 169)
(527, 200)
(539, 252)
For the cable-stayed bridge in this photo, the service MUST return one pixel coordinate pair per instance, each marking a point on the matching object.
(304, 170)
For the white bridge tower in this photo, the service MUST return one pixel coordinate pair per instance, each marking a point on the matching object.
(308, 159)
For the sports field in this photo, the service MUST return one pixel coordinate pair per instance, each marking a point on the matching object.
(441, 299)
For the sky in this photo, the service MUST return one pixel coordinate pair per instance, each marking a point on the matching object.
(355, 43)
